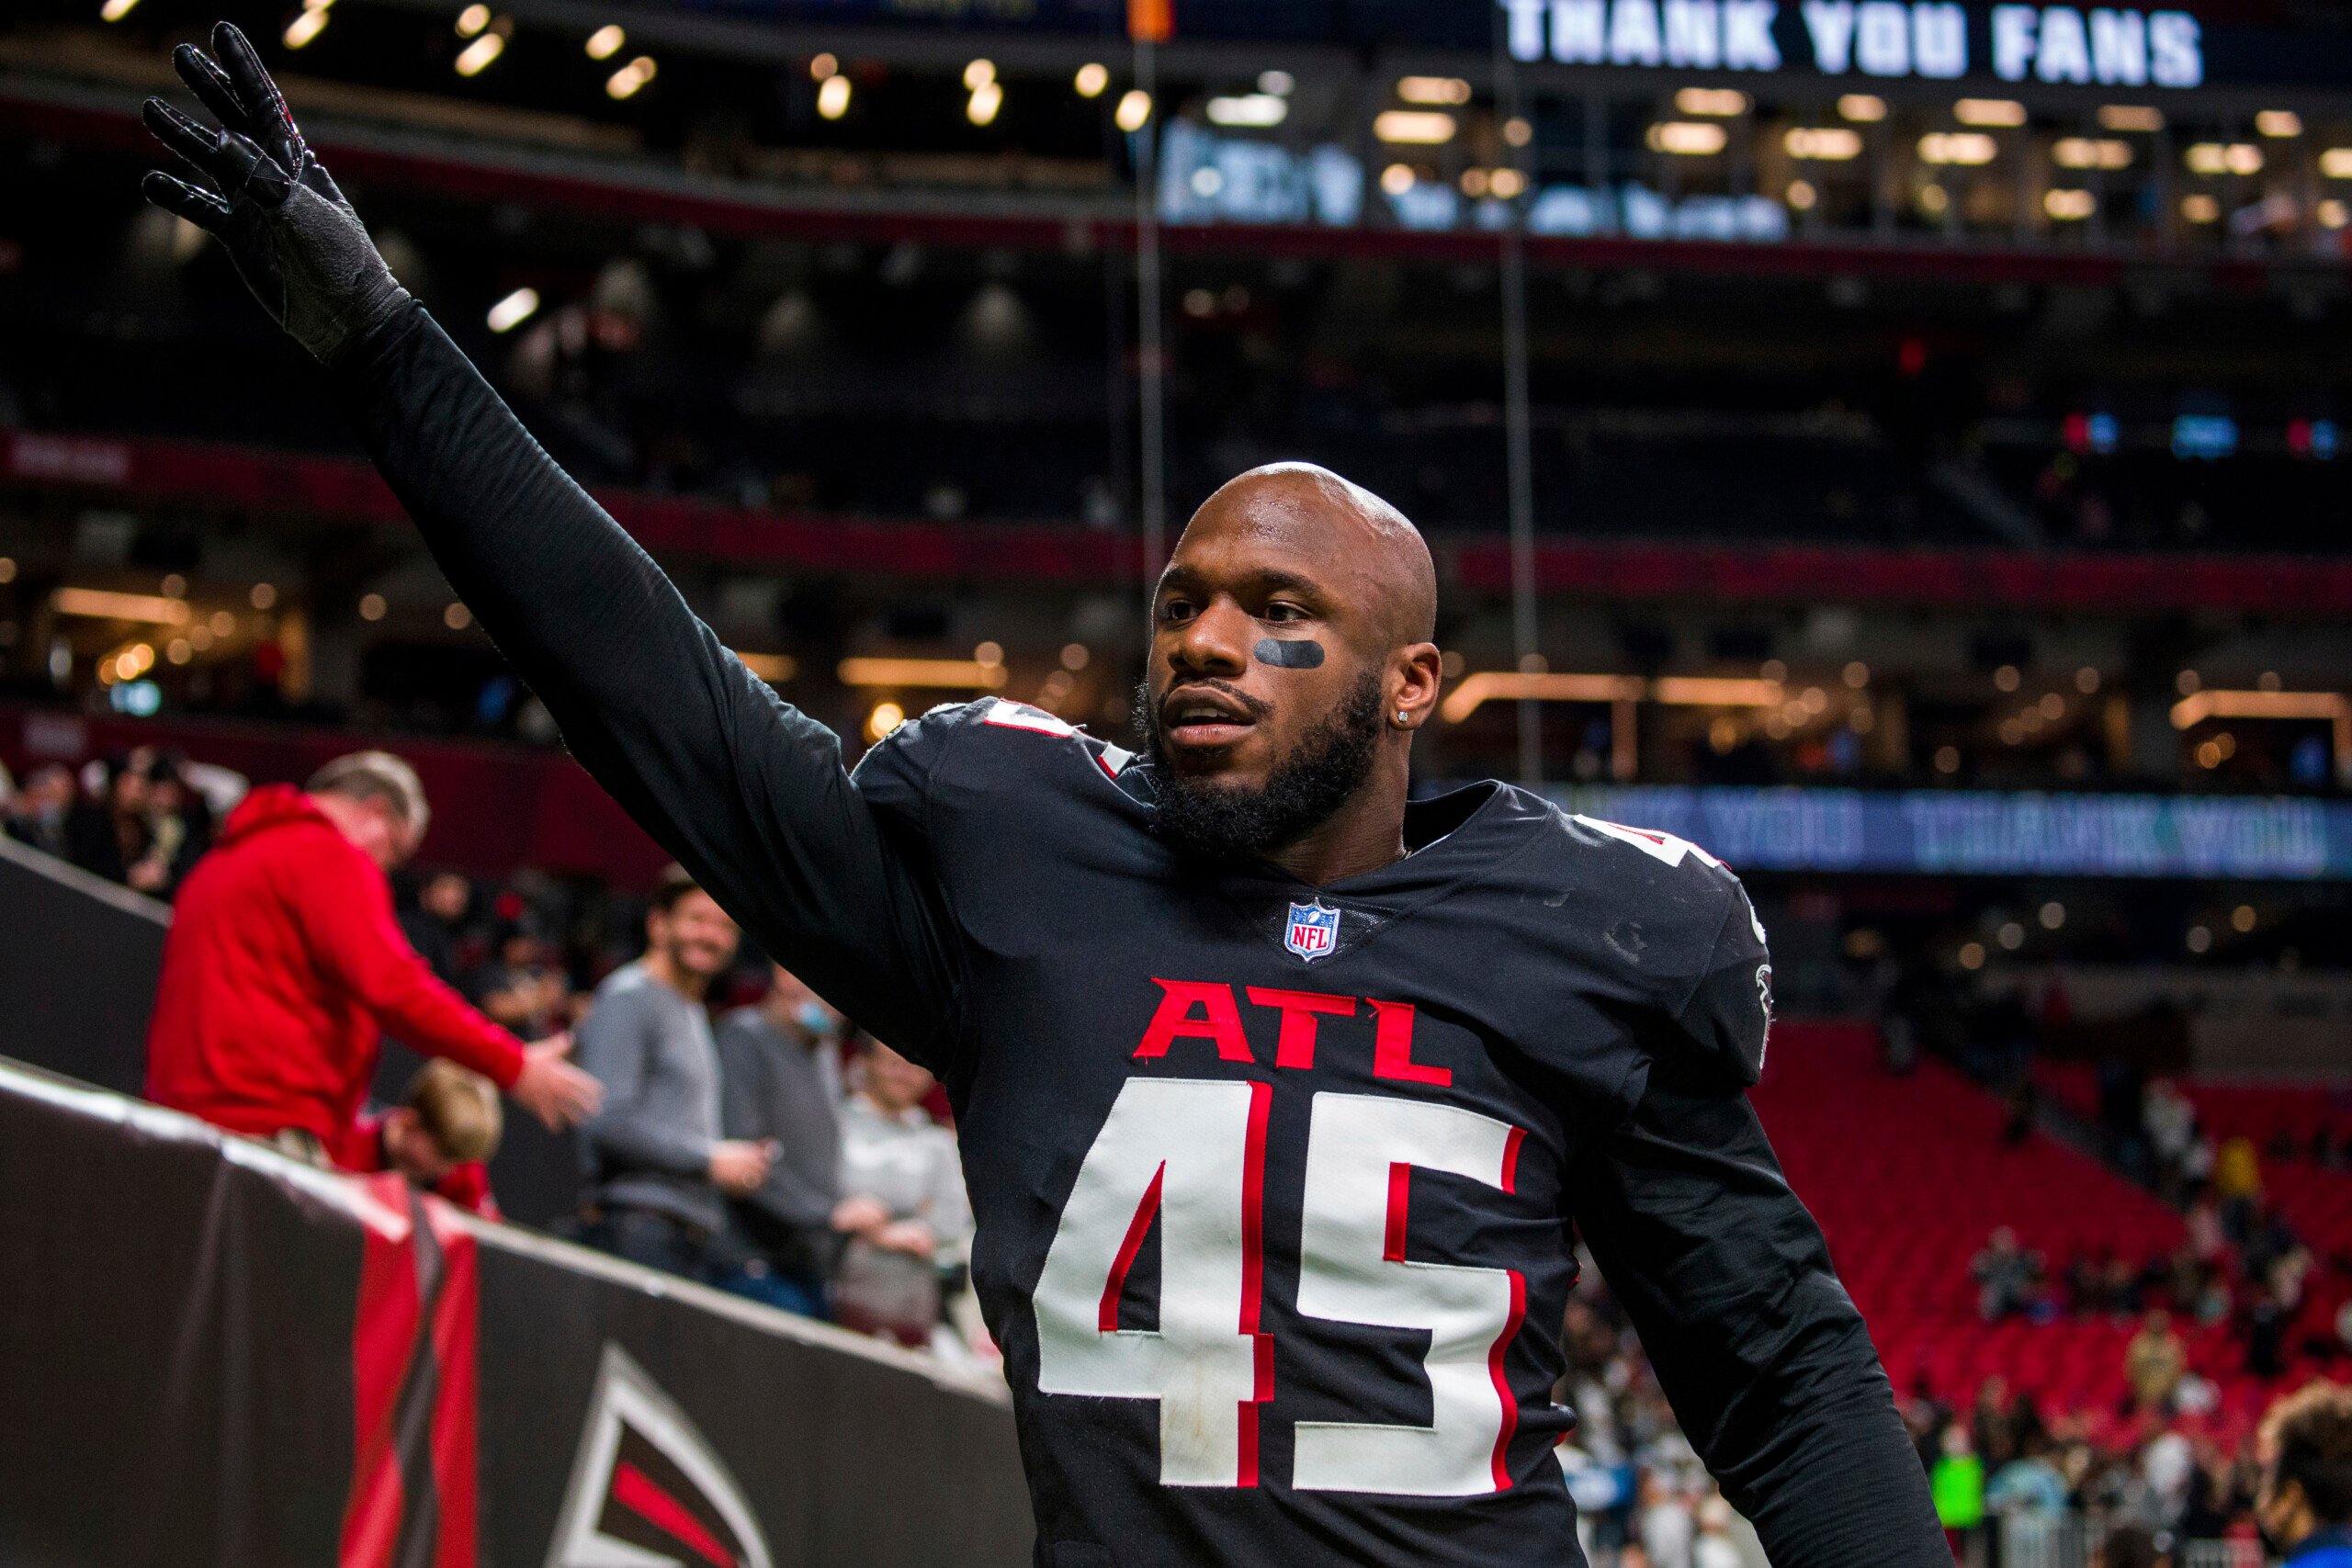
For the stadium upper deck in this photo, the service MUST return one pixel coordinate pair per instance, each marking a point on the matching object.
(863, 360)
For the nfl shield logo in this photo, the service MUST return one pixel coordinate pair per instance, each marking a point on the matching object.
(1314, 931)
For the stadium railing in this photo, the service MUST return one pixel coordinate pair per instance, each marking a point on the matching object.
(2073, 1541)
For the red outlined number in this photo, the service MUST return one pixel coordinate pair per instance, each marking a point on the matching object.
(1189, 1156)
(1192, 1153)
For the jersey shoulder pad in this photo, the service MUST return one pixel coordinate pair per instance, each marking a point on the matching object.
(1714, 969)
(1663, 848)
(977, 740)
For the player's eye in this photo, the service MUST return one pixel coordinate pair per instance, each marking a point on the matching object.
(1176, 610)
(1282, 612)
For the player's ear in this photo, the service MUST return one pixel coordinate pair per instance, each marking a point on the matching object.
(1416, 671)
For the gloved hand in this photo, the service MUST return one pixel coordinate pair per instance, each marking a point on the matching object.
(294, 238)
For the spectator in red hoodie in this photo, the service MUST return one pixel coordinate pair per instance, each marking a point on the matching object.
(284, 964)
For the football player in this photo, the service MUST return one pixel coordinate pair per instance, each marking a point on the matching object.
(1281, 1097)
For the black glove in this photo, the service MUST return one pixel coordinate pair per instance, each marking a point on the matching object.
(294, 238)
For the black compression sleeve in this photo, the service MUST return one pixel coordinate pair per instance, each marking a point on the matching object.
(748, 792)
(1767, 1364)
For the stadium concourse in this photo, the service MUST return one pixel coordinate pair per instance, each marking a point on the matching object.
(1899, 450)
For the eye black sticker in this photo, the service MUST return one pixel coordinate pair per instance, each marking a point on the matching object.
(1289, 653)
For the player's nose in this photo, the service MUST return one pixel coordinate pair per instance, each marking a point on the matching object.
(1214, 642)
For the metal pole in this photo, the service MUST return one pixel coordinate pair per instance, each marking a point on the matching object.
(1517, 441)
(1150, 333)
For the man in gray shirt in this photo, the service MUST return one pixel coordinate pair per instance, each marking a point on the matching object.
(780, 1081)
(655, 1160)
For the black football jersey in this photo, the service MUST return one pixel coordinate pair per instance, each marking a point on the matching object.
(1275, 1183)
(1273, 1180)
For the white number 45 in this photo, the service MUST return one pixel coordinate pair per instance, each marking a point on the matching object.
(1193, 1153)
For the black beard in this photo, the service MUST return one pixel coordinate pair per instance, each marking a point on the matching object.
(1203, 818)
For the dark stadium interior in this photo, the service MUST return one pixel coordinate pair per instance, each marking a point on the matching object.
(1936, 505)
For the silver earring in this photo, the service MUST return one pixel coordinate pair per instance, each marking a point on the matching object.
(1401, 720)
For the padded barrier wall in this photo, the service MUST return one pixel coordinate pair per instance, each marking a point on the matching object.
(78, 962)
(211, 1357)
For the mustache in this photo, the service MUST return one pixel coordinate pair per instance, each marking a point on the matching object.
(1257, 707)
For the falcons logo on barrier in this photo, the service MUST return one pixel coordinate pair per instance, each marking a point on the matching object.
(646, 1491)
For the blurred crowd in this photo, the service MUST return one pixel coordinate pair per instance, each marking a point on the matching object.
(749, 1136)
(140, 818)
(731, 1127)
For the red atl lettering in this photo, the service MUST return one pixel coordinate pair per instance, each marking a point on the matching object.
(1392, 1047)
(1220, 1020)
(1295, 1047)
(1205, 1010)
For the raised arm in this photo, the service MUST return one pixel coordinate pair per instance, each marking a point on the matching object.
(748, 792)
(1767, 1364)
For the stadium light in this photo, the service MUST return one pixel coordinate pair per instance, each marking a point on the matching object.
(1714, 692)
(2333, 709)
(824, 67)
(1257, 110)
(2069, 206)
(472, 19)
(2085, 152)
(606, 41)
(630, 79)
(2336, 163)
(1397, 178)
(1989, 111)
(885, 717)
(1687, 139)
(1092, 78)
(1134, 111)
(978, 75)
(2279, 124)
(2130, 117)
(2200, 209)
(1863, 108)
(309, 25)
(987, 99)
(1278, 82)
(1967, 148)
(513, 310)
(1832, 143)
(1414, 128)
(773, 668)
(1724, 102)
(832, 97)
(958, 674)
(1476, 690)
(2223, 158)
(101, 605)
(1437, 90)
(115, 10)
(477, 56)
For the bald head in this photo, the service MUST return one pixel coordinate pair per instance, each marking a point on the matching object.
(1339, 522)
(1291, 664)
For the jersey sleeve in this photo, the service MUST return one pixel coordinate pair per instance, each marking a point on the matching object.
(1767, 1364)
(1728, 1012)
(748, 792)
